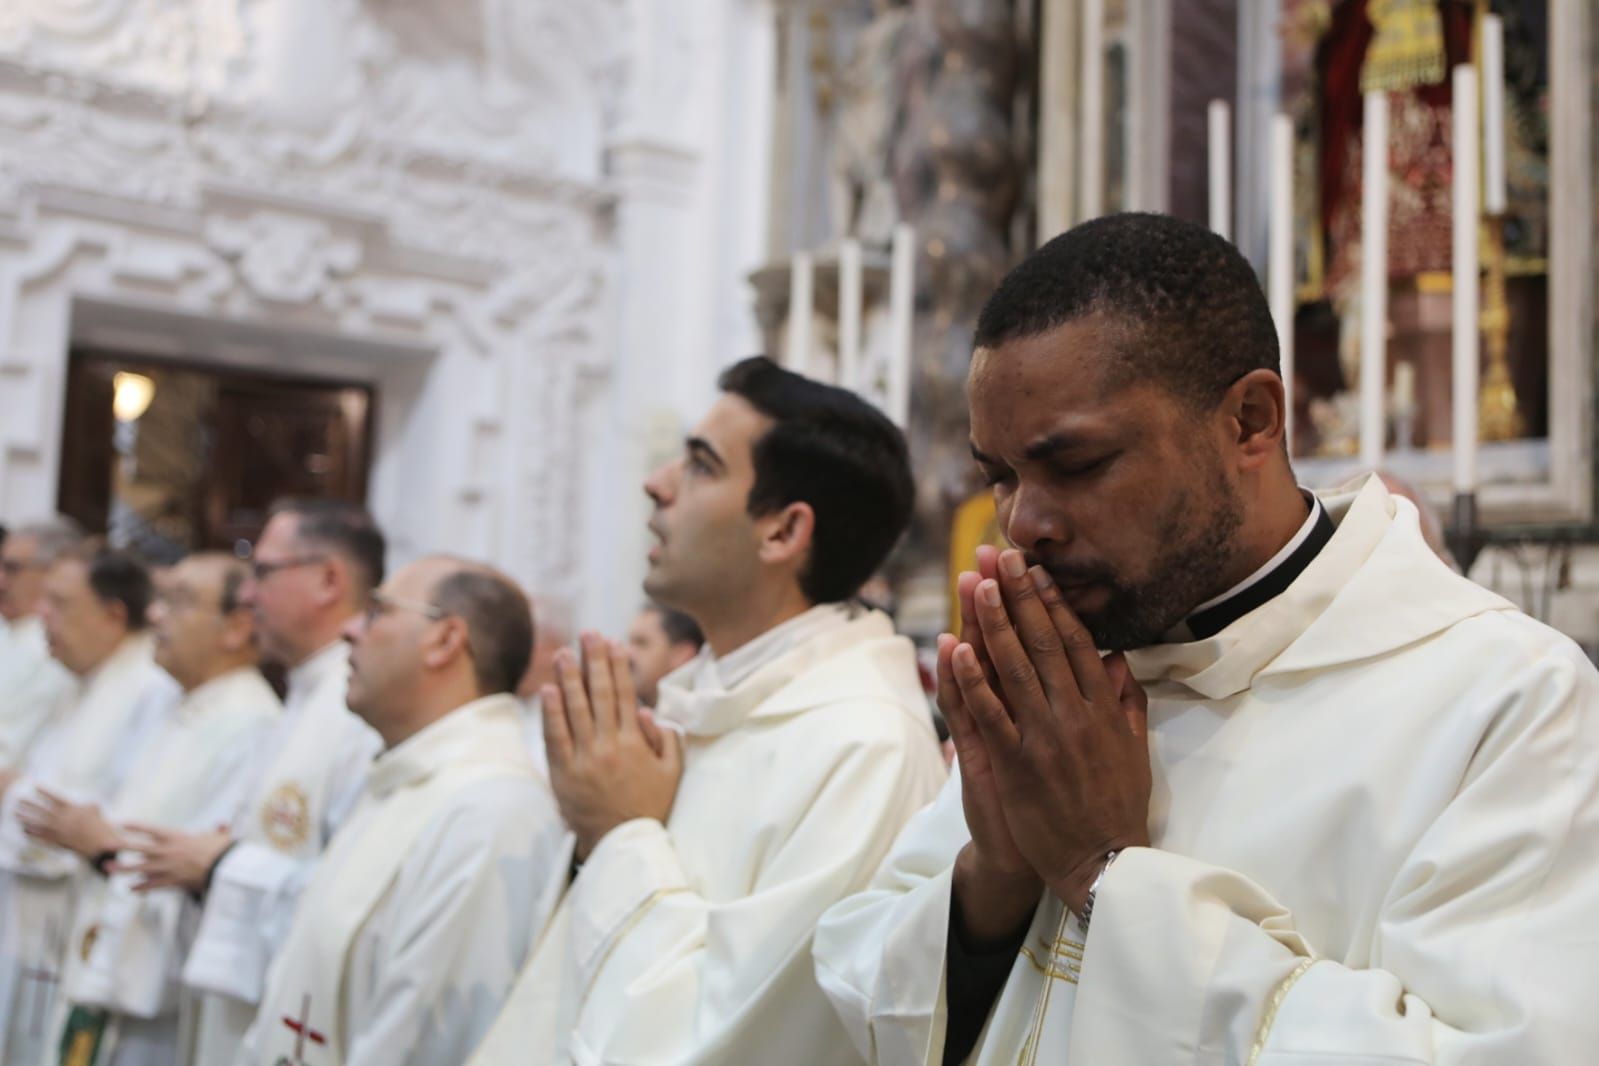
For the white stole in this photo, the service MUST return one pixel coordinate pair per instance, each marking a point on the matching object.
(130, 964)
(408, 786)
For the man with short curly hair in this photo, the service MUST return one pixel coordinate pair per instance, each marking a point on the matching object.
(1324, 800)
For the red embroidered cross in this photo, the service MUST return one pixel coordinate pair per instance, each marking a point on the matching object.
(303, 1030)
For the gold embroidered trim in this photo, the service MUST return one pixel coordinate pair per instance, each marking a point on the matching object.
(1048, 970)
(1272, 1006)
(627, 927)
(1029, 1052)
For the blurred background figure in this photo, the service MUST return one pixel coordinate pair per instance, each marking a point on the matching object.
(31, 681)
(659, 641)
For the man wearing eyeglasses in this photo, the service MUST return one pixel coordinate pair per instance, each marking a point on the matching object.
(121, 984)
(32, 682)
(94, 611)
(312, 570)
(412, 930)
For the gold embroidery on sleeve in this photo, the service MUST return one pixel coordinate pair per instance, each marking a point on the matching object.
(1267, 1019)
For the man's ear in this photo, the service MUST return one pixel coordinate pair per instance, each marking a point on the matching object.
(786, 535)
(680, 653)
(334, 582)
(450, 641)
(238, 631)
(1257, 408)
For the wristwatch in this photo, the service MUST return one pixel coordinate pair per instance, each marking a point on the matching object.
(1093, 890)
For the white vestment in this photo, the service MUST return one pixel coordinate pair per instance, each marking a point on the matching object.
(306, 776)
(84, 753)
(189, 777)
(689, 942)
(1375, 840)
(424, 908)
(32, 686)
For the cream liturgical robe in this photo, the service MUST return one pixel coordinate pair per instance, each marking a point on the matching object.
(689, 942)
(307, 775)
(132, 946)
(32, 685)
(84, 753)
(1375, 820)
(427, 902)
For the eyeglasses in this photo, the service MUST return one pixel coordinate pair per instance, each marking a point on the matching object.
(380, 603)
(261, 571)
(180, 599)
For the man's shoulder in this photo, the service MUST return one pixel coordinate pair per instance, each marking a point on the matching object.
(1511, 639)
(500, 813)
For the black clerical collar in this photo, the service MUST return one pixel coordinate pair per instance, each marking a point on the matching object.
(1267, 583)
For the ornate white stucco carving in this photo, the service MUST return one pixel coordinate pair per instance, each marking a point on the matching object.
(408, 191)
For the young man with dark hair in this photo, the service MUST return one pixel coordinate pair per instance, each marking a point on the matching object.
(659, 641)
(313, 568)
(93, 608)
(414, 926)
(772, 775)
(1325, 800)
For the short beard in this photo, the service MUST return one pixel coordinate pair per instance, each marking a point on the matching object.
(1199, 552)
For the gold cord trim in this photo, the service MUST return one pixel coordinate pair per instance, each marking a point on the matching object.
(1273, 1004)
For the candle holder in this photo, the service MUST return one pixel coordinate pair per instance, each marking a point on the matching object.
(1498, 411)
(1464, 536)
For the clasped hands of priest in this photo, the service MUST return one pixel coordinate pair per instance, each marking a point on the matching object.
(1051, 744)
(165, 858)
(610, 761)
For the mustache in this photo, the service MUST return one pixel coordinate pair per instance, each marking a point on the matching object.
(1066, 574)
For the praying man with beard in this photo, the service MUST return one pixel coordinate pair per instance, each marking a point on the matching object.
(1323, 801)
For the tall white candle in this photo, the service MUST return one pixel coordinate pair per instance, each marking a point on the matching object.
(901, 312)
(1493, 114)
(801, 282)
(1374, 280)
(1280, 264)
(849, 314)
(1465, 349)
(1091, 102)
(1404, 388)
(1218, 124)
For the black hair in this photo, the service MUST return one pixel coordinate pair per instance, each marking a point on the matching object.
(117, 577)
(679, 627)
(343, 528)
(499, 624)
(834, 451)
(1195, 317)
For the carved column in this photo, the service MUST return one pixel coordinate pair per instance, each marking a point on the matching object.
(958, 171)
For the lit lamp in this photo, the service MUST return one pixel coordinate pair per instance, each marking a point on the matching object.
(131, 396)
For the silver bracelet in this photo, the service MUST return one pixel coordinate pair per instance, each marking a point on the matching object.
(1093, 890)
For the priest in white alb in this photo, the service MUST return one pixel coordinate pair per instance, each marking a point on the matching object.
(33, 683)
(1325, 801)
(774, 773)
(121, 990)
(311, 572)
(94, 614)
(430, 897)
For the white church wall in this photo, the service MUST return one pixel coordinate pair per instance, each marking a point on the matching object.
(525, 221)
(690, 160)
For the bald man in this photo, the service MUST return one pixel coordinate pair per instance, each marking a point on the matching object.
(412, 930)
(121, 985)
